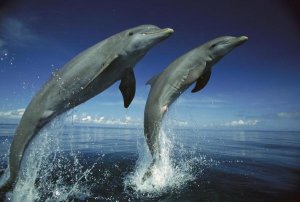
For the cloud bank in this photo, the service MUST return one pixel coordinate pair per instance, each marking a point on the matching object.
(234, 124)
(102, 120)
(84, 118)
(241, 122)
(79, 118)
(289, 115)
(13, 114)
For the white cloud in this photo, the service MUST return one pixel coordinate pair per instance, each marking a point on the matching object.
(179, 123)
(13, 114)
(241, 123)
(289, 115)
(130, 121)
(82, 118)
(89, 119)
(233, 123)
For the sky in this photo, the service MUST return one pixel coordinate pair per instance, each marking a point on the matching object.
(256, 86)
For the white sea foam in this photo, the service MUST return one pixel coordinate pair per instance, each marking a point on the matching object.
(166, 174)
(179, 164)
(43, 158)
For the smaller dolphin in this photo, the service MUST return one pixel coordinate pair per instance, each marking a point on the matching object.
(86, 75)
(194, 66)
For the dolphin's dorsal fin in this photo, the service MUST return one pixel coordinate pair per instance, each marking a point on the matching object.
(202, 81)
(127, 86)
(105, 65)
(152, 80)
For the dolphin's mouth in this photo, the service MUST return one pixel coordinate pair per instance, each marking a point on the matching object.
(240, 40)
(243, 38)
(166, 30)
(235, 41)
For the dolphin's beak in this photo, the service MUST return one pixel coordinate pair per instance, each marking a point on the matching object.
(236, 41)
(166, 31)
(158, 34)
(241, 40)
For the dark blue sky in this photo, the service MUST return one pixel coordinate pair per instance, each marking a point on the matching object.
(255, 86)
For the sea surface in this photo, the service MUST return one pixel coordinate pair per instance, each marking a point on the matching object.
(68, 162)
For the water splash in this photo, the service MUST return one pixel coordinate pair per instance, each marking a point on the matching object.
(180, 164)
(48, 173)
(168, 174)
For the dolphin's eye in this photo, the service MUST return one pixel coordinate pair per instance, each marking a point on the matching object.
(130, 33)
(214, 45)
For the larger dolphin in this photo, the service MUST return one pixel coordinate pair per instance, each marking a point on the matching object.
(194, 66)
(86, 75)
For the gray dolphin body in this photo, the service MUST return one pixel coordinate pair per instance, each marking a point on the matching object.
(194, 66)
(86, 75)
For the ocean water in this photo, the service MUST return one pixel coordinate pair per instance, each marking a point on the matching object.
(92, 163)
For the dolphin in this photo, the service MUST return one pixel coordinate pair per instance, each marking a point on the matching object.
(83, 77)
(194, 66)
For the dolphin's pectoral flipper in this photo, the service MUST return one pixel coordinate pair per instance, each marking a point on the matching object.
(105, 65)
(202, 81)
(127, 86)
